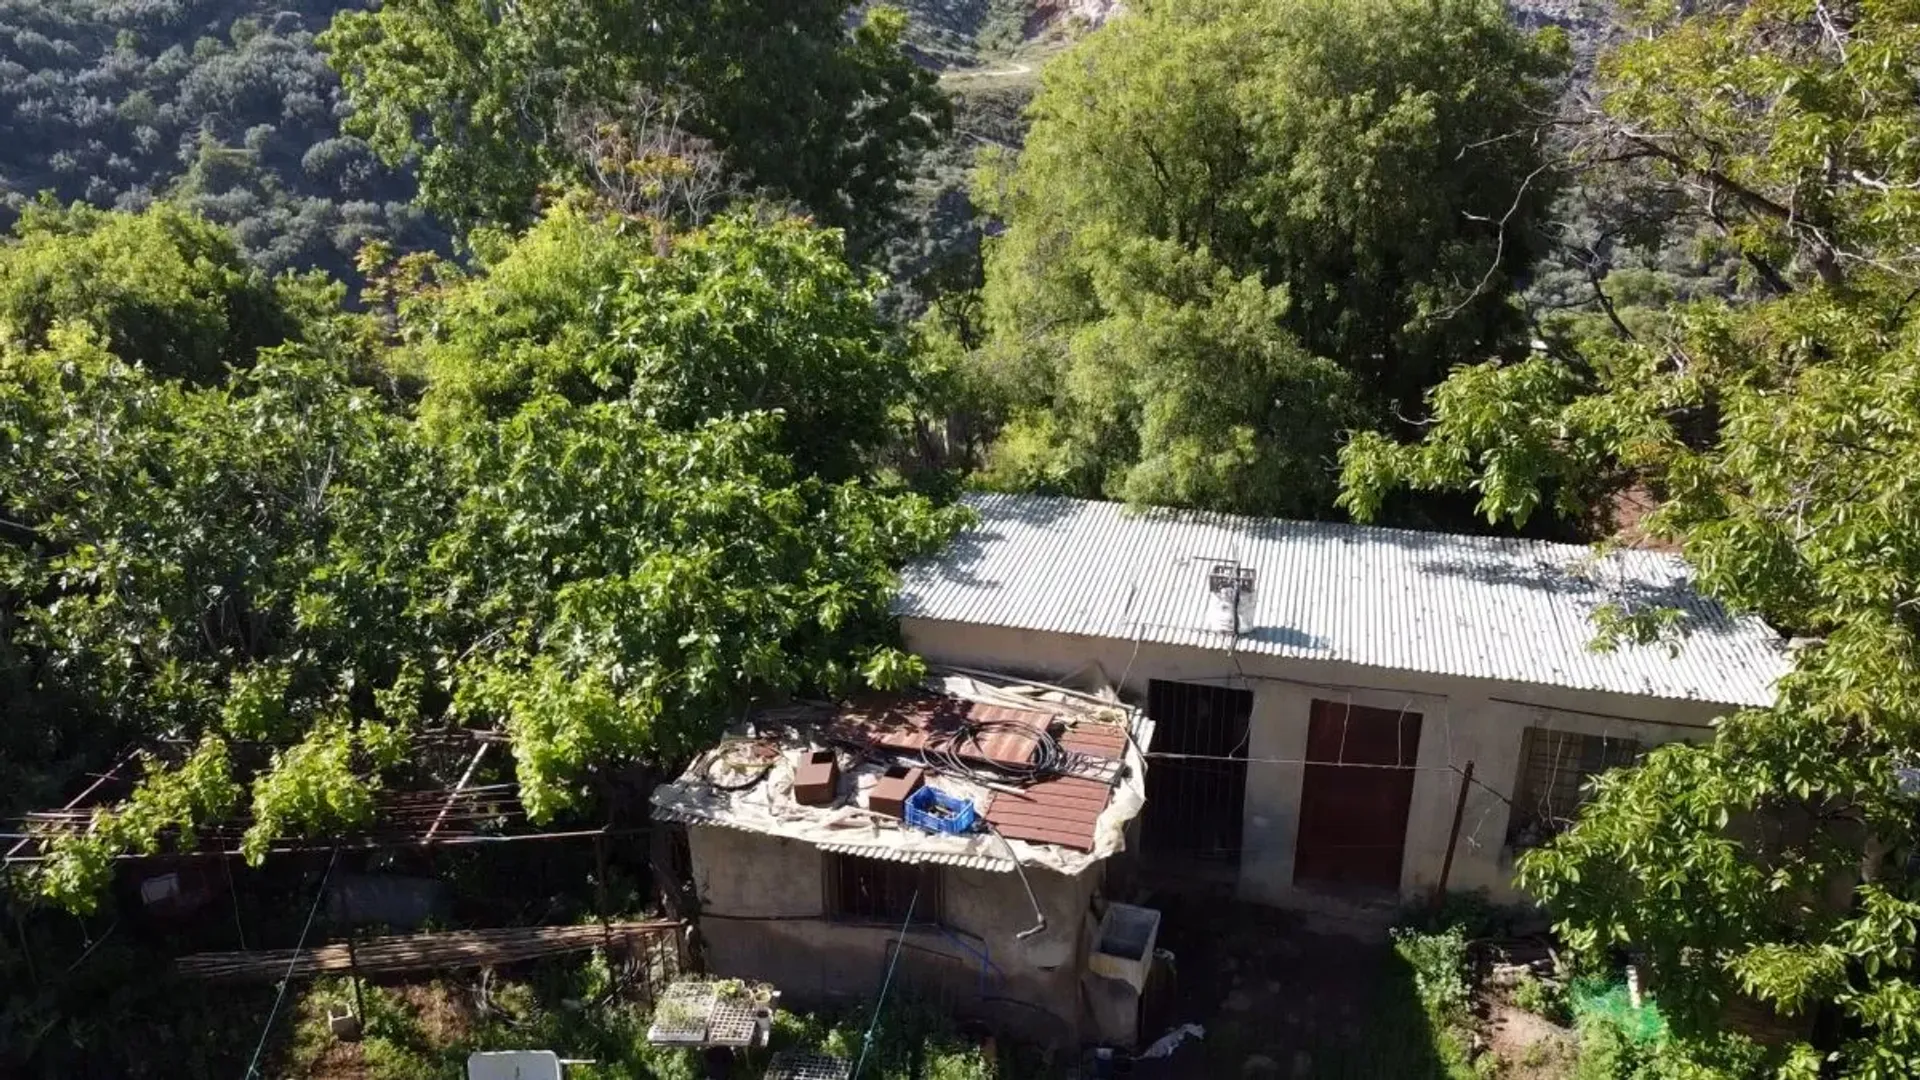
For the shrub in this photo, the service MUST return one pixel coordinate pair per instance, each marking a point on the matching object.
(1439, 963)
(1544, 999)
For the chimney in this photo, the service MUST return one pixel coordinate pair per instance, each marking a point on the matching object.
(1230, 598)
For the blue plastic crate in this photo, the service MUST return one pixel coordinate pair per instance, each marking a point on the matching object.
(933, 810)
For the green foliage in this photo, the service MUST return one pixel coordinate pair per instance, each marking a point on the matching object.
(290, 561)
(1606, 1001)
(1620, 1042)
(482, 96)
(1240, 227)
(1778, 439)
(1802, 121)
(1439, 965)
(200, 791)
(313, 788)
(1797, 504)
(123, 1013)
(562, 1003)
(1542, 998)
(744, 314)
(913, 1040)
(645, 581)
(162, 288)
(1149, 388)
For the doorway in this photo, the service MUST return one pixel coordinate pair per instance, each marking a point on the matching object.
(1353, 813)
(1195, 804)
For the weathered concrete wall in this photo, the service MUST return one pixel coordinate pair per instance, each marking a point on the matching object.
(762, 914)
(1463, 720)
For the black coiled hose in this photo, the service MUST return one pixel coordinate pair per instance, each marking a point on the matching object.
(964, 754)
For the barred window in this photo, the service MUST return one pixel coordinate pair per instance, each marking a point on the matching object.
(881, 890)
(1554, 769)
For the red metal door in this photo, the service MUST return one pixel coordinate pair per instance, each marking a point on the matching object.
(1353, 818)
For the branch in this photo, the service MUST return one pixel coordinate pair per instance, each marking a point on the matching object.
(1500, 241)
(1606, 302)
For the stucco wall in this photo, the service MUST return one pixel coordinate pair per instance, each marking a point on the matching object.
(762, 917)
(1463, 720)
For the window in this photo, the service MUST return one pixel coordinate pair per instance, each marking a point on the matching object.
(881, 890)
(1554, 769)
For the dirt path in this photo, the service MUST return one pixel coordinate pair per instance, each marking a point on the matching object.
(1279, 997)
(1011, 71)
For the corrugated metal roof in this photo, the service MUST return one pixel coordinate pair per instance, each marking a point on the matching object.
(891, 849)
(908, 855)
(1447, 604)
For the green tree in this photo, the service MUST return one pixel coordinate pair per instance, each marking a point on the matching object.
(117, 106)
(1778, 438)
(1310, 208)
(745, 314)
(482, 94)
(162, 288)
(646, 583)
(275, 581)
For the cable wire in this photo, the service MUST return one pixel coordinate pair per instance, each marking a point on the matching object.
(963, 754)
(253, 1065)
(866, 1041)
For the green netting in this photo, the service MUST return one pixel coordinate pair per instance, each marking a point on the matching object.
(1607, 1001)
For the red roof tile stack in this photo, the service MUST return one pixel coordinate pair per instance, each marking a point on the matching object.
(1055, 810)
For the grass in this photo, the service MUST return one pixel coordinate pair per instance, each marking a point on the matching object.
(425, 1032)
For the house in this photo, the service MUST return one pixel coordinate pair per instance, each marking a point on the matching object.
(1318, 690)
(807, 876)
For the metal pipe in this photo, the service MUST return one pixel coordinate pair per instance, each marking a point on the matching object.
(1453, 836)
(1039, 917)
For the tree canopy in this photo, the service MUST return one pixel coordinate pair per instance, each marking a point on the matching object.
(162, 288)
(274, 577)
(742, 315)
(484, 95)
(1777, 438)
(1239, 227)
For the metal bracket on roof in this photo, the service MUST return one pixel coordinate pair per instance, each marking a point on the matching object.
(1231, 585)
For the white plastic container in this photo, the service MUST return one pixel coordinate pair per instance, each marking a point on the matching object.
(1123, 948)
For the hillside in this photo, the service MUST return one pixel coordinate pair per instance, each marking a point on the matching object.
(225, 104)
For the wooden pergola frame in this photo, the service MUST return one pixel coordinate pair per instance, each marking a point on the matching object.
(441, 817)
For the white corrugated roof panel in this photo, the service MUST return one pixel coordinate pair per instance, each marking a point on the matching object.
(1441, 603)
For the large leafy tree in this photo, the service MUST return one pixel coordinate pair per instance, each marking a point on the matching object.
(227, 562)
(744, 314)
(1240, 226)
(163, 288)
(277, 579)
(483, 95)
(646, 581)
(1777, 438)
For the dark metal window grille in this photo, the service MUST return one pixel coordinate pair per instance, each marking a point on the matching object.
(1554, 769)
(1197, 793)
(881, 890)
